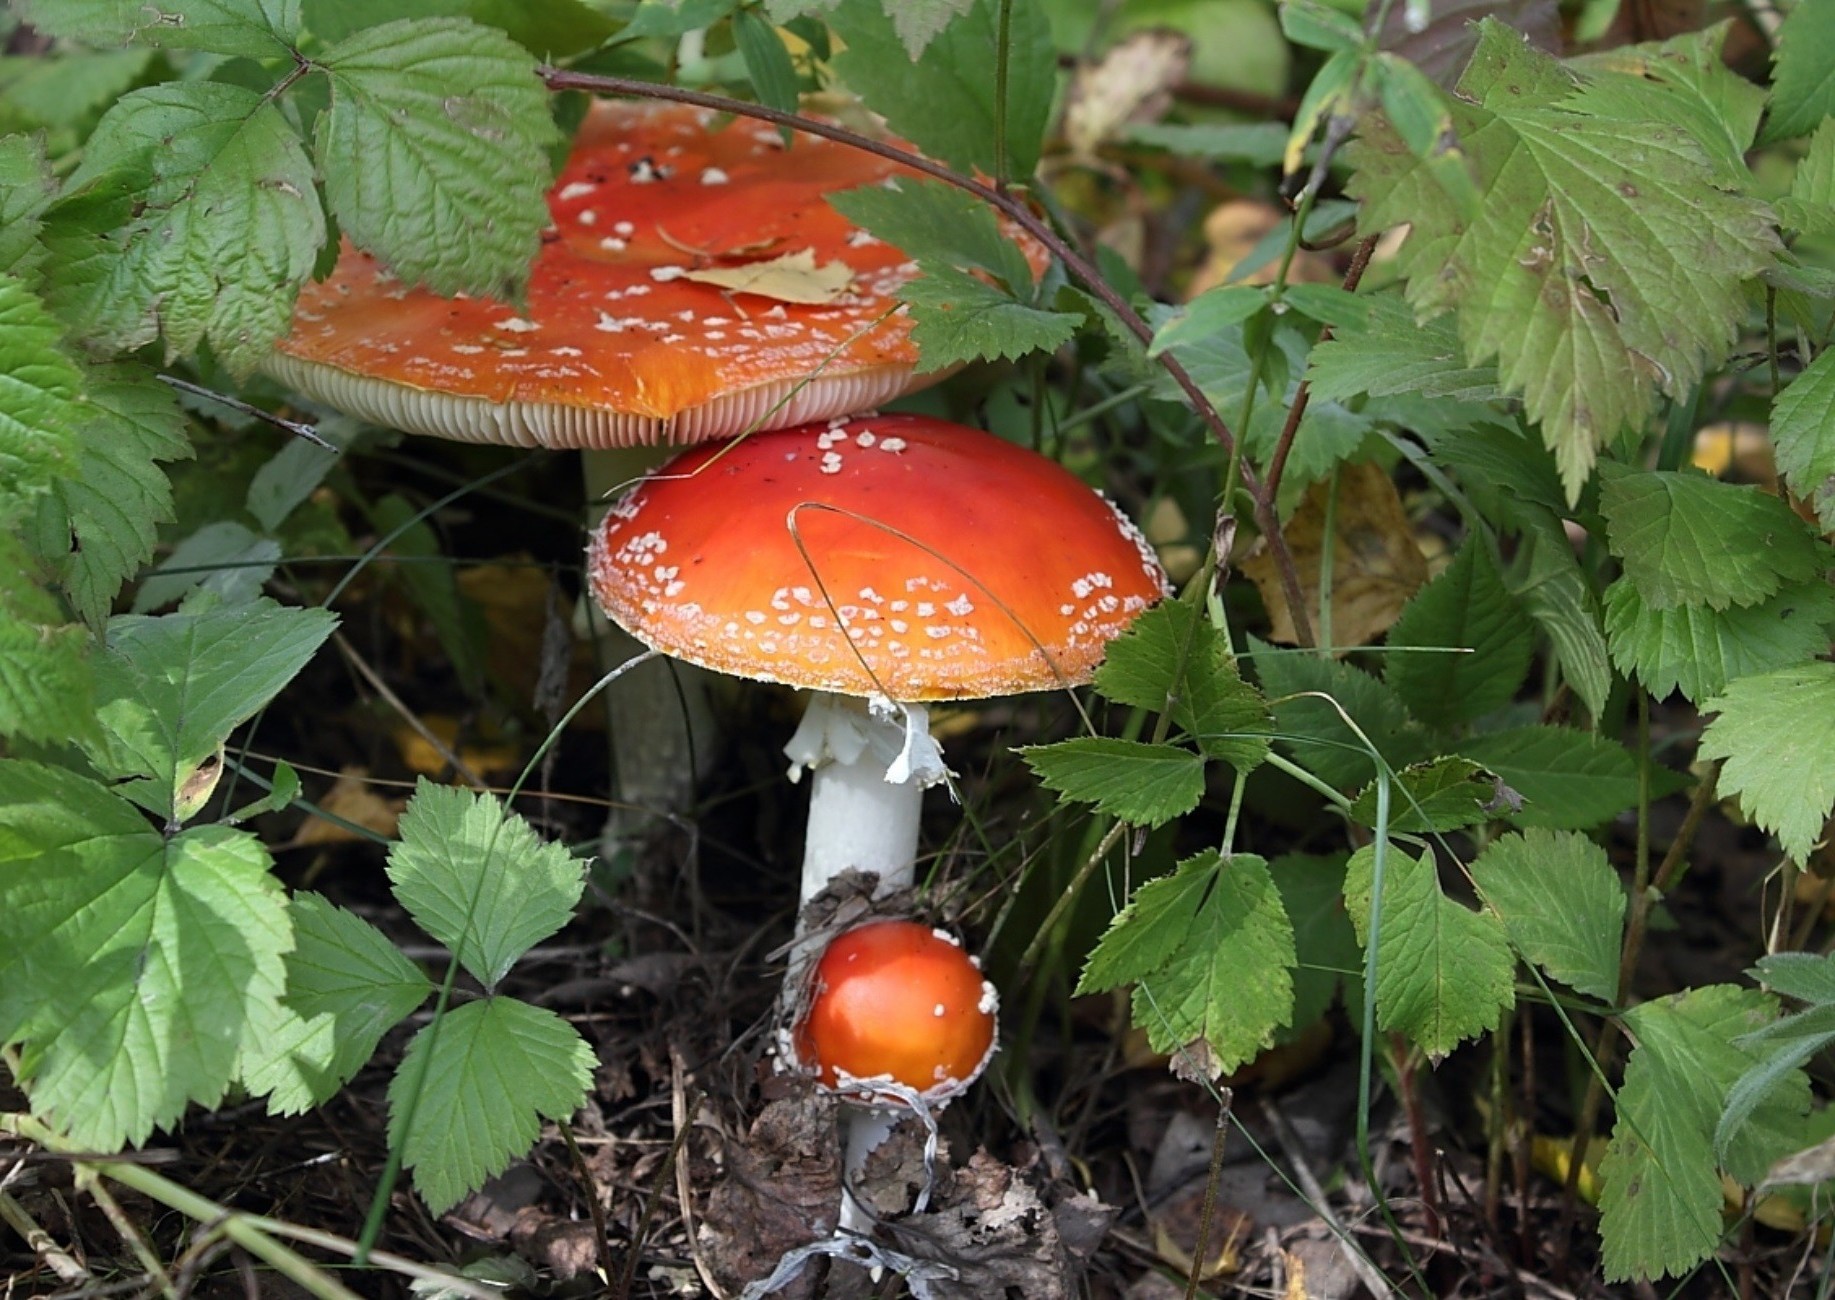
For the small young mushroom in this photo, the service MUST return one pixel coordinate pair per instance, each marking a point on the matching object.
(892, 1015)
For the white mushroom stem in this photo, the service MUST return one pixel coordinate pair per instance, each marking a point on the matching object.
(871, 761)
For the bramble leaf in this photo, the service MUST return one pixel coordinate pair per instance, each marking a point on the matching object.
(38, 390)
(1465, 608)
(1442, 795)
(25, 192)
(479, 879)
(1687, 539)
(347, 986)
(1210, 952)
(1313, 729)
(1803, 432)
(1773, 733)
(1562, 904)
(1660, 1197)
(1569, 779)
(136, 964)
(170, 689)
(1129, 779)
(261, 29)
(492, 1070)
(1604, 265)
(1803, 83)
(958, 318)
(1698, 650)
(1326, 954)
(47, 691)
(223, 230)
(1391, 354)
(1442, 970)
(434, 152)
(937, 224)
(1223, 714)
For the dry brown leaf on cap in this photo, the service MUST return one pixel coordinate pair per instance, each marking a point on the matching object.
(793, 277)
(1133, 82)
(1376, 563)
(351, 799)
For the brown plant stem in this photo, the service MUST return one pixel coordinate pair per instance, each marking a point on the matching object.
(1016, 211)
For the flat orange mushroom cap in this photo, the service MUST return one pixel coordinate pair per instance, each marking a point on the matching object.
(892, 555)
(619, 343)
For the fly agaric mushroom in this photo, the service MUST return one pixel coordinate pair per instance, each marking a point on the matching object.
(694, 284)
(892, 1005)
(893, 559)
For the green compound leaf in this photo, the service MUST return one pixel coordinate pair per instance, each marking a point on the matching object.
(1326, 955)
(1803, 428)
(1562, 904)
(169, 690)
(1559, 597)
(1803, 83)
(1210, 952)
(1441, 795)
(38, 388)
(1605, 263)
(490, 1071)
(1442, 970)
(1465, 608)
(1129, 779)
(347, 986)
(1224, 715)
(1314, 729)
(136, 965)
(1687, 539)
(937, 224)
(1773, 735)
(223, 230)
(1660, 1193)
(1390, 354)
(25, 191)
(943, 102)
(958, 318)
(434, 152)
(479, 879)
(261, 29)
(1568, 779)
(1809, 208)
(111, 507)
(47, 690)
(1698, 650)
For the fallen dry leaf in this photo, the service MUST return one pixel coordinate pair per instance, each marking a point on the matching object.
(793, 277)
(1133, 82)
(352, 799)
(1231, 233)
(781, 1190)
(1376, 562)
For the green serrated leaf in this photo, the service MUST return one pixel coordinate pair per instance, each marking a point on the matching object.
(479, 879)
(1783, 1048)
(434, 152)
(1569, 779)
(47, 691)
(1698, 650)
(1326, 955)
(224, 228)
(38, 387)
(1137, 782)
(1773, 735)
(224, 557)
(1465, 608)
(170, 689)
(1660, 1197)
(1208, 314)
(1559, 597)
(1319, 27)
(1687, 539)
(1807, 977)
(25, 192)
(943, 101)
(1172, 652)
(1313, 728)
(1442, 970)
(1390, 354)
(135, 964)
(1809, 208)
(1562, 904)
(1803, 80)
(1604, 263)
(347, 986)
(261, 29)
(1258, 144)
(1682, 81)
(1803, 432)
(1441, 795)
(938, 225)
(110, 509)
(1210, 952)
(958, 318)
(489, 1072)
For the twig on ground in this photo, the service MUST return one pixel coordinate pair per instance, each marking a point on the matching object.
(56, 1258)
(1295, 1151)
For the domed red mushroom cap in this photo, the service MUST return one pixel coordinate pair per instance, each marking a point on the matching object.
(620, 341)
(896, 1000)
(892, 555)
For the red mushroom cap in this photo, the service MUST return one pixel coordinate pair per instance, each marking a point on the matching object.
(618, 344)
(893, 555)
(896, 1000)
